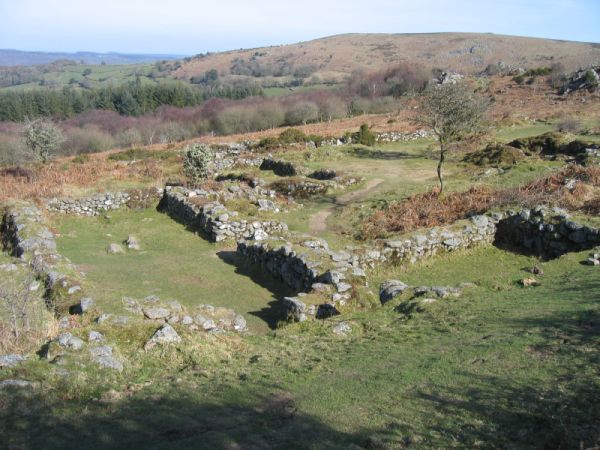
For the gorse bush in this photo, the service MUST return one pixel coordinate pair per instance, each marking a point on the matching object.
(197, 159)
(364, 136)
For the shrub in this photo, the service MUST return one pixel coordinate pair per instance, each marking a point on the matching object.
(364, 136)
(42, 138)
(197, 159)
(302, 112)
(292, 136)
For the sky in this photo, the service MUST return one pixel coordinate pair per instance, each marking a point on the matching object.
(187, 27)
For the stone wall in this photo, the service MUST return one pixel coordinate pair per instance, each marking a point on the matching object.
(213, 219)
(545, 232)
(25, 235)
(308, 264)
(479, 230)
(101, 203)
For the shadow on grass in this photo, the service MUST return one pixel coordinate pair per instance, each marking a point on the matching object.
(271, 313)
(177, 419)
(370, 153)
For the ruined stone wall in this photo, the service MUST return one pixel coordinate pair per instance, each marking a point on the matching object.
(101, 203)
(214, 220)
(26, 236)
(546, 232)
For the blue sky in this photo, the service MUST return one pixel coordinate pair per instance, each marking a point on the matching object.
(190, 27)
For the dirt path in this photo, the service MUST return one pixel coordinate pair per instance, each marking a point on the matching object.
(318, 221)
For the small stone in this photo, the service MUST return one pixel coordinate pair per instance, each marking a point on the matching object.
(343, 287)
(260, 235)
(156, 313)
(67, 340)
(239, 323)
(103, 318)
(187, 320)
(85, 305)
(529, 282)
(132, 243)
(114, 249)
(95, 336)
(341, 328)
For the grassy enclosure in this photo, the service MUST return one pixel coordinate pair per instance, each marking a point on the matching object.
(173, 263)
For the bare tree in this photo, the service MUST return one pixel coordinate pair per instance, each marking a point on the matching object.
(452, 112)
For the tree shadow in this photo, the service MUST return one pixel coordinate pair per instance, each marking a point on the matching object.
(175, 419)
(271, 313)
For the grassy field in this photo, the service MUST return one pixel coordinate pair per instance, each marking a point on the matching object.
(174, 264)
(501, 367)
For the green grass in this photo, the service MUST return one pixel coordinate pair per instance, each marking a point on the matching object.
(501, 367)
(174, 264)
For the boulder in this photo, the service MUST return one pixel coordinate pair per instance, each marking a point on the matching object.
(390, 289)
(164, 335)
(67, 340)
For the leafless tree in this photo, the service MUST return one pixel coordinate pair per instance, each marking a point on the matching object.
(452, 112)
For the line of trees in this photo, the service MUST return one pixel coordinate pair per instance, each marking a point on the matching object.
(131, 99)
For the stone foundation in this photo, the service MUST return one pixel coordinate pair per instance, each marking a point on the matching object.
(213, 219)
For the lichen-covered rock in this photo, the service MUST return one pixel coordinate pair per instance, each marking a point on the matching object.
(294, 309)
(390, 289)
(11, 360)
(341, 328)
(164, 335)
(67, 340)
(155, 313)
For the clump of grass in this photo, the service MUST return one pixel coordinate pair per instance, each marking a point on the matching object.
(135, 154)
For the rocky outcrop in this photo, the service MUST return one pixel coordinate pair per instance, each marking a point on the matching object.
(584, 79)
(214, 220)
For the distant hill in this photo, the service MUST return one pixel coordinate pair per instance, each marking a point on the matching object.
(337, 56)
(23, 58)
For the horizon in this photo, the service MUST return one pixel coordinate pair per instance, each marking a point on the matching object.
(188, 28)
(182, 55)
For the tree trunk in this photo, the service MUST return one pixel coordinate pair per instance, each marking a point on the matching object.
(439, 167)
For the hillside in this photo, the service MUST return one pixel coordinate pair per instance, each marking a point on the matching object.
(336, 56)
(23, 58)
